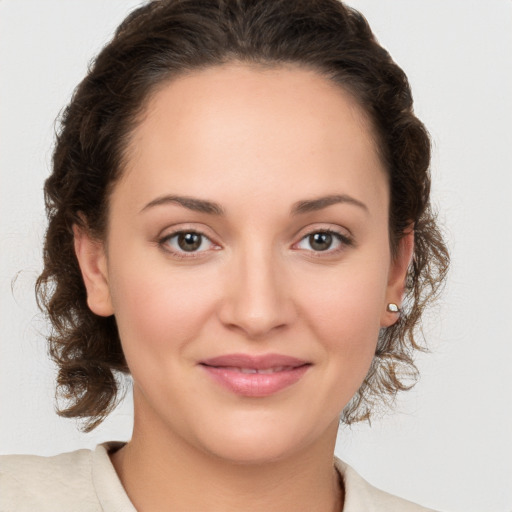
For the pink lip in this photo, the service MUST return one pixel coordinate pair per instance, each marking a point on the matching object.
(231, 372)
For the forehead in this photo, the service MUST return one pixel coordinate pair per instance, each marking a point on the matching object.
(253, 130)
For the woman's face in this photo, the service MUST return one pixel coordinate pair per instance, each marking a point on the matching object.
(247, 260)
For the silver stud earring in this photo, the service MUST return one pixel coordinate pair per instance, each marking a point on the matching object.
(393, 308)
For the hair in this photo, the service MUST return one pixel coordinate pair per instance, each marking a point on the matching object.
(162, 40)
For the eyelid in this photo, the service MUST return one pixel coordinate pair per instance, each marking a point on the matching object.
(343, 235)
(183, 229)
(325, 227)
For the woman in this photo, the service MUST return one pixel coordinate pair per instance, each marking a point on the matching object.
(239, 218)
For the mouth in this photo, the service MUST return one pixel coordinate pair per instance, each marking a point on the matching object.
(262, 371)
(255, 376)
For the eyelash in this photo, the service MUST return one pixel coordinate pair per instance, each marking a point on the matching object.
(344, 241)
(164, 243)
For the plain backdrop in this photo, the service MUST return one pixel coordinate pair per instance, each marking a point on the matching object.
(448, 445)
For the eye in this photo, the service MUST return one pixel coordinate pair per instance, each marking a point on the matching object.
(324, 241)
(187, 242)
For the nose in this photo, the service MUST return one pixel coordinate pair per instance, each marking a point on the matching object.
(256, 297)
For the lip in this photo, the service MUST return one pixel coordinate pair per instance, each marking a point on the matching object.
(255, 376)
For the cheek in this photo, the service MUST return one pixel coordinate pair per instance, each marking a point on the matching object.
(345, 314)
(158, 310)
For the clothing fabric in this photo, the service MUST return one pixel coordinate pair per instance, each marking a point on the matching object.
(86, 481)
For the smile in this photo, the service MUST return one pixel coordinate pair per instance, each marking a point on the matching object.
(255, 376)
(256, 370)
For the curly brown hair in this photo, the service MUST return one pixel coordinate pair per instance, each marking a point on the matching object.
(162, 40)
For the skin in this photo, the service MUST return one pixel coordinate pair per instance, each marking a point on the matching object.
(256, 141)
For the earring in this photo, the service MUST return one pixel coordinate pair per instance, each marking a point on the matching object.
(393, 308)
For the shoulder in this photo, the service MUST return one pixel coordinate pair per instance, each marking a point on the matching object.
(59, 483)
(361, 495)
(31, 482)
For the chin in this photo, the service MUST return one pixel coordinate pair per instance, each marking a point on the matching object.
(252, 452)
(256, 442)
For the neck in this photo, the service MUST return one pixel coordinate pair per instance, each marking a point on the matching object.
(177, 476)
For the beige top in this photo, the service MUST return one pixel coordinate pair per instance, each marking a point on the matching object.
(86, 481)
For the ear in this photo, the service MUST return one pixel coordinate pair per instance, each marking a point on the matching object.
(397, 277)
(93, 264)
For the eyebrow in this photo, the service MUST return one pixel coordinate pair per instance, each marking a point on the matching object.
(192, 203)
(212, 208)
(314, 205)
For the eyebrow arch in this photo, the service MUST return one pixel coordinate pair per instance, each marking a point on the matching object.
(192, 203)
(313, 205)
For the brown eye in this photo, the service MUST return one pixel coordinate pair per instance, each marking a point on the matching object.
(183, 242)
(320, 241)
(189, 241)
(327, 241)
